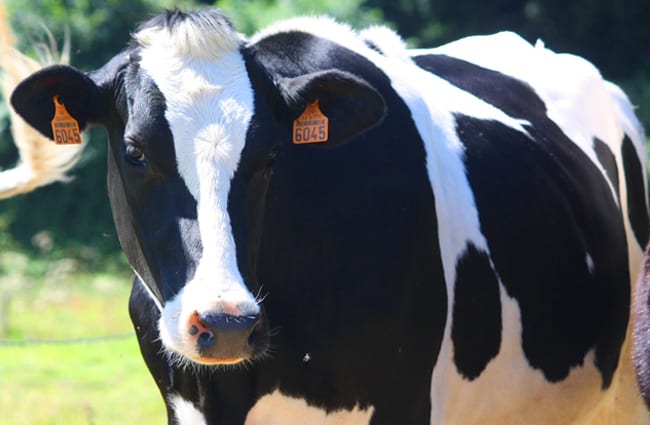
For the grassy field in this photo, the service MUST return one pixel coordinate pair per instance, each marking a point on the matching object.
(97, 382)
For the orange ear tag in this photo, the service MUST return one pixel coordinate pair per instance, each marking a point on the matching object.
(65, 129)
(311, 127)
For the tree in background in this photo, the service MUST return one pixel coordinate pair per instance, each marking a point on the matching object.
(613, 35)
(252, 15)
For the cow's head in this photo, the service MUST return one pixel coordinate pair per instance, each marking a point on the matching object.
(193, 124)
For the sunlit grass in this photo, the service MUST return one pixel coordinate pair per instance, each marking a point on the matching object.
(103, 382)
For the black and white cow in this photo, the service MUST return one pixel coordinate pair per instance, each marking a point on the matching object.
(458, 251)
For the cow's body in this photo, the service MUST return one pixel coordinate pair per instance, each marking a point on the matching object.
(462, 255)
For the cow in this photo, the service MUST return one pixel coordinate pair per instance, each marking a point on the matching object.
(329, 228)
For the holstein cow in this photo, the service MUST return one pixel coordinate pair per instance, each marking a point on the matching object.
(327, 228)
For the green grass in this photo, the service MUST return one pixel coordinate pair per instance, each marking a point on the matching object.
(80, 383)
(104, 383)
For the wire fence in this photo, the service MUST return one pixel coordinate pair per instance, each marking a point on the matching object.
(30, 342)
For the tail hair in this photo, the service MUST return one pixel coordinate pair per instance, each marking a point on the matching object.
(41, 162)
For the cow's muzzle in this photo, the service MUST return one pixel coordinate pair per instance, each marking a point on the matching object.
(227, 337)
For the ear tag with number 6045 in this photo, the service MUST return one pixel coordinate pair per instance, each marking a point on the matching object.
(312, 126)
(65, 129)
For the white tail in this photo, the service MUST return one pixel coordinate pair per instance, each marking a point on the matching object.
(41, 161)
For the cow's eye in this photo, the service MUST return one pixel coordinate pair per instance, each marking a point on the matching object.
(134, 153)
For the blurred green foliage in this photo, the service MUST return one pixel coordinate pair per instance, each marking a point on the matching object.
(251, 15)
(76, 218)
(613, 35)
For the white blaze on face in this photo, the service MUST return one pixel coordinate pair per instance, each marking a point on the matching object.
(209, 104)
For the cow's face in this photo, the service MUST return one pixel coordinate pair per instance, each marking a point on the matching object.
(193, 121)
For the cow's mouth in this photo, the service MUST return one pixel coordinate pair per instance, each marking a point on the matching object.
(211, 361)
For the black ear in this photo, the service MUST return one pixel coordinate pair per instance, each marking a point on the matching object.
(349, 102)
(33, 98)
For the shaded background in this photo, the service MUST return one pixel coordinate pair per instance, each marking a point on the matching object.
(74, 220)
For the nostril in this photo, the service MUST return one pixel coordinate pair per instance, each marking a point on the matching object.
(225, 336)
(206, 339)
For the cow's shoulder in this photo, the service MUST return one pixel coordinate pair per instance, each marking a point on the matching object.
(572, 91)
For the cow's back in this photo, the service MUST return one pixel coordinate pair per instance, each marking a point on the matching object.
(548, 198)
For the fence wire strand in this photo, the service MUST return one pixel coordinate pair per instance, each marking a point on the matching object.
(30, 342)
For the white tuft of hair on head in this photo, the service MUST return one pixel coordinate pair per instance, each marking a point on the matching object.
(202, 39)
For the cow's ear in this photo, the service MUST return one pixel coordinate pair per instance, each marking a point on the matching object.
(33, 98)
(351, 105)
